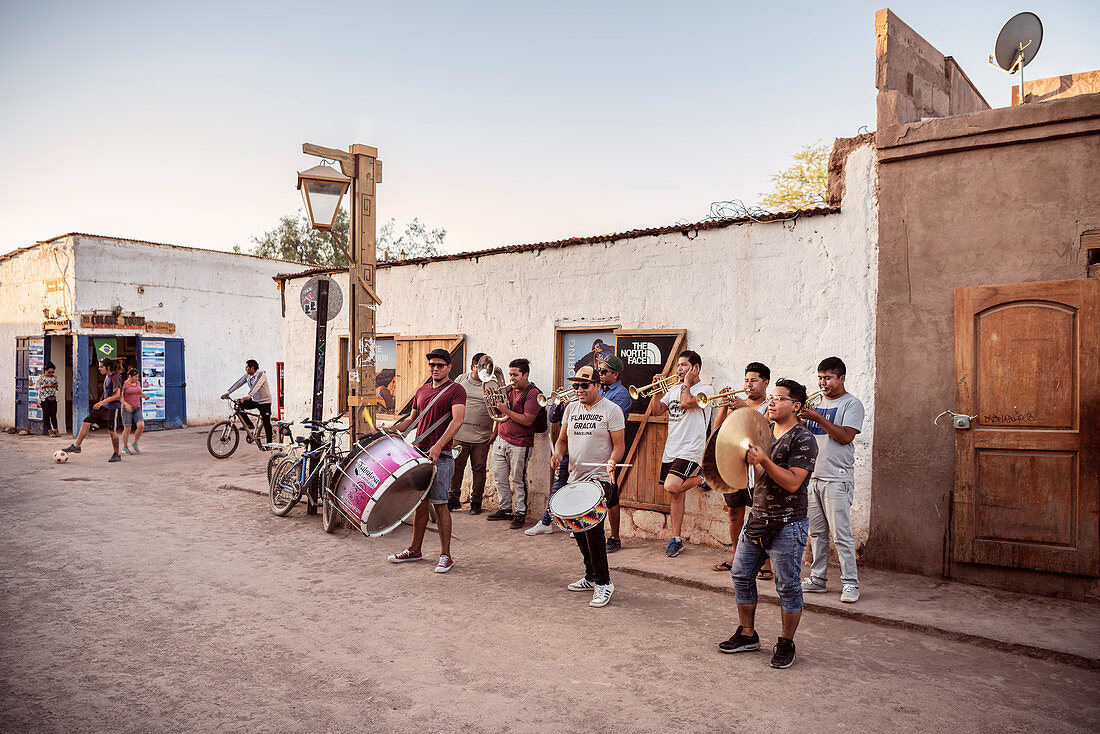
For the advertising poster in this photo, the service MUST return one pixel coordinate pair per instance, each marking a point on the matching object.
(152, 379)
(583, 348)
(644, 356)
(35, 366)
(385, 380)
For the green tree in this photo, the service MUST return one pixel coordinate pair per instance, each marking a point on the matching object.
(416, 241)
(804, 184)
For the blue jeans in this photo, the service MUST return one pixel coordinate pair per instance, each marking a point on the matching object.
(786, 554)
(441, 482)
(561, 478)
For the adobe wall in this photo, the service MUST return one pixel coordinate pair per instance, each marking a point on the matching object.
(993, 197)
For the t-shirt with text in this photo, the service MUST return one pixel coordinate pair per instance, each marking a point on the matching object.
(687, 428)
(835, 461)
(588, 432)
(795, 449)
(454, 395)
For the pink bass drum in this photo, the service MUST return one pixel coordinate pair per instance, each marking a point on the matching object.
(381, 482)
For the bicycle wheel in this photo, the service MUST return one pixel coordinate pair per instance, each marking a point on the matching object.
(222, 440)
(284, 489)
(329, 515)
(276, 456)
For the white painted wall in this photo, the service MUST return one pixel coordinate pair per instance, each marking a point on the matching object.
(787, 294)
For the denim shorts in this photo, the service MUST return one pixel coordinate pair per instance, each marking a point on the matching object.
(130, 419)
(439, 492)
(785, 550)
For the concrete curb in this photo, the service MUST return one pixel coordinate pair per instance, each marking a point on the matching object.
(1032, 651)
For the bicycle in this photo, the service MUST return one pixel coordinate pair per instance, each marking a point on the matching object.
(224, 436)
(282, 450)
(293, 479)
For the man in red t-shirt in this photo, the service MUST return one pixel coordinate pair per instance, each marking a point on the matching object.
(443, 403)
(513, 451)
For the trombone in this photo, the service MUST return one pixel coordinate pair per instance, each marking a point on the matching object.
(719, 400)
(657, 386)
(563, 395)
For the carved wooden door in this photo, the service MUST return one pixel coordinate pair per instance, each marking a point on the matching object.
(1027, 480)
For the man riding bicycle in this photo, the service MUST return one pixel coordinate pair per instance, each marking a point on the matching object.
(259, 396)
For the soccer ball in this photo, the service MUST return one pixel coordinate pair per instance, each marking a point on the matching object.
(60, 457)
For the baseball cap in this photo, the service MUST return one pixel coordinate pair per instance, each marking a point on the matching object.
(440, 354)
(613, 363)
(585, 374)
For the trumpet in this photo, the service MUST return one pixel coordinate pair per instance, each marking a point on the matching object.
(719, 400)
(814, 400)
(657, 386)
(562, 395)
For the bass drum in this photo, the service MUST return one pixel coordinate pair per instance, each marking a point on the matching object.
(381, 482)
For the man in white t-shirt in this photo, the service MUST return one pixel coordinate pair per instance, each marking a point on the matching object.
(686, 441)
(835, 423)
(592, 434)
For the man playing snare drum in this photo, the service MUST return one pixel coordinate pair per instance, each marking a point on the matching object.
(592, 435)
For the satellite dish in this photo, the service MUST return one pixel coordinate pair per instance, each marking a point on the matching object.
(1019, 41)
(1017, 44)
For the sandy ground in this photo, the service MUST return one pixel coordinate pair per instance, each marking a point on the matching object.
(140, 597)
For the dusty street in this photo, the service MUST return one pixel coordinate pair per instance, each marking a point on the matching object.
(139, 596)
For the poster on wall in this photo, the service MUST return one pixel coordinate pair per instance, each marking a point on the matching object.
(35, 365)
(644, 355)
(582, 349)
(385, 379)
(152, 379)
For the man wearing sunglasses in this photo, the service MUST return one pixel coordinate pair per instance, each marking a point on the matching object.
(592, 435)
(443, 403)
(612, 388)
(777, 527)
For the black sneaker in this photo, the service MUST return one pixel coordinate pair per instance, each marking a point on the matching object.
(783, 653)
(740, 642)
(518, 520)
(500, 515)
(475, 509)
(73, 449)
(613, 544)
(114, 458)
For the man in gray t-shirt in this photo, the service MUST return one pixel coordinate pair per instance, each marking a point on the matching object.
(835, 423)
(474, 439)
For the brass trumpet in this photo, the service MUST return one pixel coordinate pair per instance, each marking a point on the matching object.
(719, 400)
(814, 400)
(657, 386)
(562, 395)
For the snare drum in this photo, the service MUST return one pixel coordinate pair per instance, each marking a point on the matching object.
(579, 506)
(381, 482)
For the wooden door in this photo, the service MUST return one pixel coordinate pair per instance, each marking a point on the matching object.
(1027, 488)
(412, 363)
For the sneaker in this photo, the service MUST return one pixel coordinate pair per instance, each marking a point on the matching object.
(674, 547)
(72, 449)
(475, 509)
(500, 515)
(518, 520)
(539, 529)
(850, 594)
(405, 556)
(740, 642)
(809, 586)
(783, 653)
(126, 451)
(134, 448)
(581, 585)
(602, 595)
(613, 544)
(445, 564)
(114, 457)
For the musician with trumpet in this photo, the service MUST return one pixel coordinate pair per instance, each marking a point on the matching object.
(517, 405)
(687, 437)
(835, 421)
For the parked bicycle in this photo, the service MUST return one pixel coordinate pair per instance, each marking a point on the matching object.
(293, 479)
(224, 436)
(282, 450)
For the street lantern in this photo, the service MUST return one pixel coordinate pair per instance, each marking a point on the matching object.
(322, 187)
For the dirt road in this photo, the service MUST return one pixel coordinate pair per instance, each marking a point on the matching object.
(139, 597)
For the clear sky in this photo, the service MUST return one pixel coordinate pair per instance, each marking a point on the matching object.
(504, 122)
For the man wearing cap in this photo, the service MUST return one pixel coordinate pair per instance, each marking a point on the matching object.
(443, 405)
(592, 434)
(612, 388)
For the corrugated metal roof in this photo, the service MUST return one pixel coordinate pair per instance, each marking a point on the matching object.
(593, 239)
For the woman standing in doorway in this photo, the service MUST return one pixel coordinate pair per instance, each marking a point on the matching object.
(131, 411)
(47, 398)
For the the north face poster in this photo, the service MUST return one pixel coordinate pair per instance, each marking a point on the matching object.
(644, 355)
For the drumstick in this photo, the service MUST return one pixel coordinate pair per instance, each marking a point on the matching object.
(586, 463)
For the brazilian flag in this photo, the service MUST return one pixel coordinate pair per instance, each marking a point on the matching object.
(105, 348)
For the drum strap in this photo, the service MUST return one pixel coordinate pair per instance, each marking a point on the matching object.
(424, 434)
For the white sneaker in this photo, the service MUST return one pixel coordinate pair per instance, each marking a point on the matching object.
(582, 585)
(850, 594)
(602, 595)
(809, 586)
(539, 529)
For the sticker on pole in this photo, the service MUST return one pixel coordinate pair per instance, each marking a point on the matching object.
(309, 298)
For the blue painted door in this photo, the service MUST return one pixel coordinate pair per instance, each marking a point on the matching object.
(175, 385)
(22, 371)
